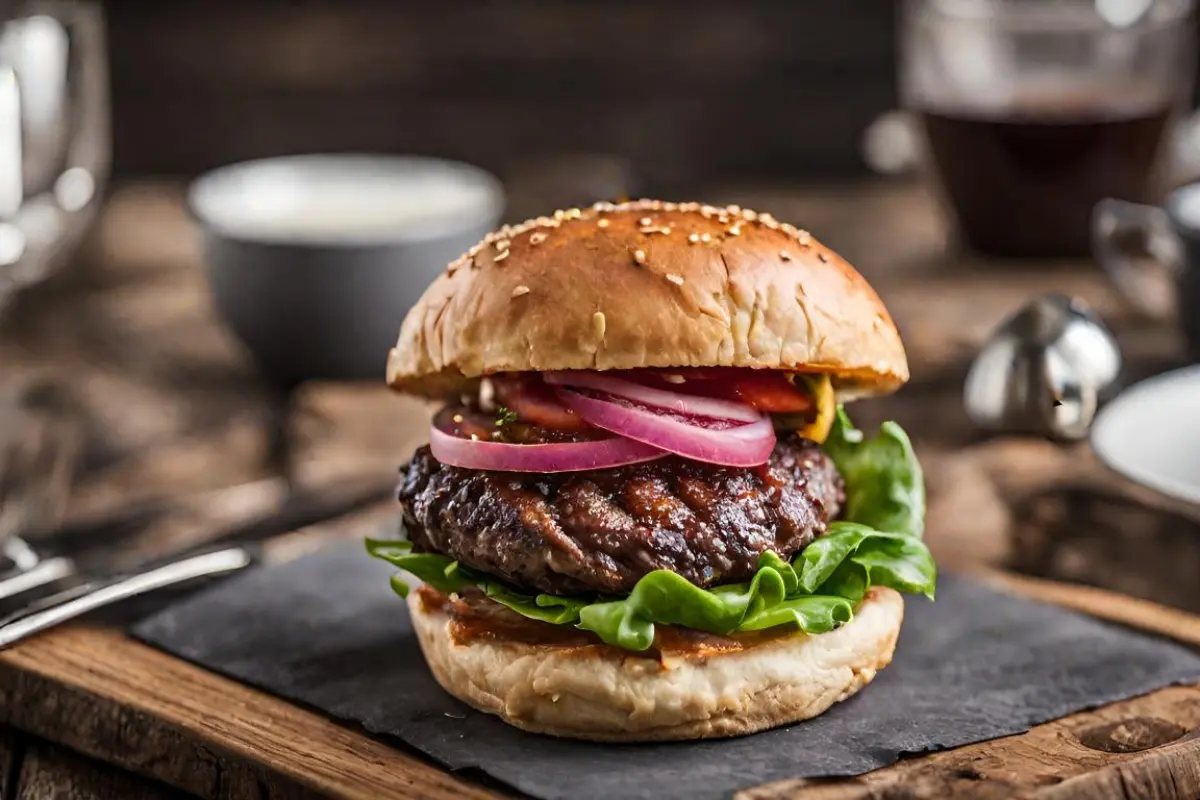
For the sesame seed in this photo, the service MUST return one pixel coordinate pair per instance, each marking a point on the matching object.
(675, 279)
(560, 215)
(639, 256)
(785, 255)
(824, 258)
(676, 379)
(574, 213)
(804, 237)
(734, 209)
(474, 437)
(537, 238)
(502, 244)
(645, 221)
(749, 215)
(734, 230)
(599, 323)
(520, 290)
(694, 238)
(503, 254)
(723, 218)
(706, 238)
(458, 418)
(601, 223)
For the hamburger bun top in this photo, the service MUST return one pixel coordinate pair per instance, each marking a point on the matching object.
(648, 284)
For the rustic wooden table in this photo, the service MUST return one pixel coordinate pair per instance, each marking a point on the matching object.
(172, 406)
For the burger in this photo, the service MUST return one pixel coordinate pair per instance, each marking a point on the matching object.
(643, 513)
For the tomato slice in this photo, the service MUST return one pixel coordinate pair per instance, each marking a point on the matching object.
(768, 391)
(533, 401)
(466, 423)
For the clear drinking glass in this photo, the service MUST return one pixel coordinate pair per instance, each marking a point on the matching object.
(54, 132)
(1032, 111)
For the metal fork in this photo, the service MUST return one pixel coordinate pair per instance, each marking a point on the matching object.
(37, 469)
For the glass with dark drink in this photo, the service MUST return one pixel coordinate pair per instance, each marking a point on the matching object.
(1034, 111)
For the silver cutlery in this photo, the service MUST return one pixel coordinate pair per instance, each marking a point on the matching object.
(244, 512)
(93, 595)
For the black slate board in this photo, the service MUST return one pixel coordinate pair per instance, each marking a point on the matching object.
(326, 631)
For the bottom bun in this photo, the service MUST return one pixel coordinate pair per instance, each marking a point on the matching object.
(605, 694)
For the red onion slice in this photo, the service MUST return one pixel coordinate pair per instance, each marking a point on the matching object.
(558, 457)
(690, 405)
(741, 446)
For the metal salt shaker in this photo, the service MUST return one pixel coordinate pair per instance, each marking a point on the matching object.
(1045, 371)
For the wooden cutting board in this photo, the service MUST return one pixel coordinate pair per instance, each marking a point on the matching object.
(99, 692)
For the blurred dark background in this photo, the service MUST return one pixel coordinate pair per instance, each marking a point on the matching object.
(688, 92)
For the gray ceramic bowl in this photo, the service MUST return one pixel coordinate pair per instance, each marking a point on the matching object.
(314, 260)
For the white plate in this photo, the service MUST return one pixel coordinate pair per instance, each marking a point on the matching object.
(1151, 434)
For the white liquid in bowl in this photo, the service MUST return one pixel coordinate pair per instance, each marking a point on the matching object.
(345, 199)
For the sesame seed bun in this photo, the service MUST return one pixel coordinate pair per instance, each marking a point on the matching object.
(605, 694)
(648, 284)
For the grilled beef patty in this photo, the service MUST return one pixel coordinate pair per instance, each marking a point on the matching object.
(601, 531)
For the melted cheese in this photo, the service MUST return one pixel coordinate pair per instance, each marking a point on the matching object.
(822, 391)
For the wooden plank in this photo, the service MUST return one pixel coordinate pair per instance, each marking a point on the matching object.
(50, 772)
(11, 754)
(112, 698)
(1171, 771)
(1122, 609)
(200, 84)
(1080, 748)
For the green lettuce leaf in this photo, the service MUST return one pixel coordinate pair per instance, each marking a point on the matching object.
(436, 570)
(825, 554)
(448, 577)
(545, 607)
(664, 598)
(877, 544)
(810, 613)
(885, 488)
(849, 580)
(901, 562)
(897, 560)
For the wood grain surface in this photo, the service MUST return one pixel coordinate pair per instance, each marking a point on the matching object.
(173, 412)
